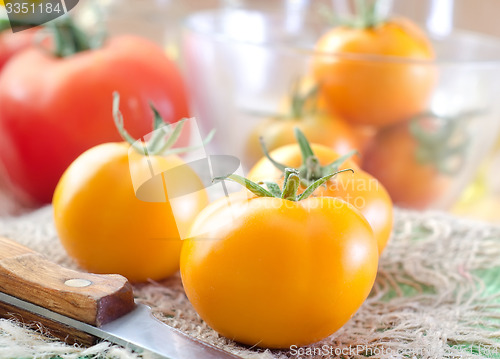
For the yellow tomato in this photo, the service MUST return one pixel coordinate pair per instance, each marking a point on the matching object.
(276, 273)
(105, 228)
(375, 75)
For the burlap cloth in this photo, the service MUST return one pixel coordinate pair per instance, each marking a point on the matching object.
(437, 295)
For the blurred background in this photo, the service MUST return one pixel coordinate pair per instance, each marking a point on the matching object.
(241, 58)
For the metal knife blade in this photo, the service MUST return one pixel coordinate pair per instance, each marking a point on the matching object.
(137, 330)
(80, 307)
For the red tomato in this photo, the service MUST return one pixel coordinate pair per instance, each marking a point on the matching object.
(53, 109)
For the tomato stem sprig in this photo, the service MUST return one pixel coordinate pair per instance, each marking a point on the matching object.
(163, 137)
(291, 185)
(310, 170)
(303, 102)
(367, 14)
(70, 39)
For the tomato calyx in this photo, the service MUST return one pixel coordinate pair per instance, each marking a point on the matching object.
(311, 169)
(441, 141)
(290, 188)
(163, 137)
(70, 39)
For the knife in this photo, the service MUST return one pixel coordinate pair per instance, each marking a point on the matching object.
(84, 308)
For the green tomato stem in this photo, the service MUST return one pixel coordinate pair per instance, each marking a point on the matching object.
(366, 15)
(305, 147)
(335, 165)
(311, 169)
(253, 187)
(276, 164)
(118, 118)
(299, 101)
(69, 38)
(163, 138)
(273, 188)
(291, 184)
(309, 190)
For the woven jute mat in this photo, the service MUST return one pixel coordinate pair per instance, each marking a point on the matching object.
(437, 295)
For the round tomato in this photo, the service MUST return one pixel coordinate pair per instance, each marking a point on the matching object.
(359, 189)
(276, 272)
(113, 206)
(105, 228)
(376, 75)
(412, 182)
(54, 108)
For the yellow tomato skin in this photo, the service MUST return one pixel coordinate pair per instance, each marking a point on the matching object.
(360, 189)
(105, 228)
(375, 91)
(282, 273)
(319, 128)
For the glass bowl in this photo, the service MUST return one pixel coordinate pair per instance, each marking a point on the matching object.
(241, 62)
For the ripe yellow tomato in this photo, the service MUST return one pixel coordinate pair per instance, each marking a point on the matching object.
(105, 228)
(277, 273)
(319, 128)
(360, 189)
(377, 75)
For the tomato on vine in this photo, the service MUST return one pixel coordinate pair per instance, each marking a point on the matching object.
(278, 269)
(102, 223)
(375, 71)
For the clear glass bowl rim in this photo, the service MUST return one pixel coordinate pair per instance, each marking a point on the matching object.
(216, 36)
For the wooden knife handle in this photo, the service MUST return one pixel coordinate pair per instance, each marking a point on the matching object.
(90, 298)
